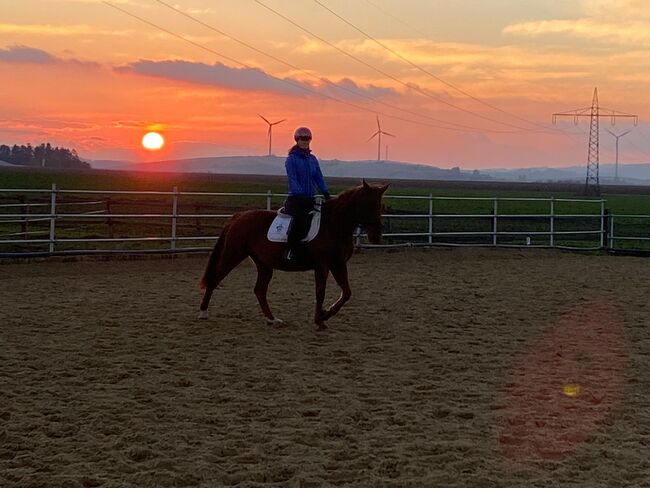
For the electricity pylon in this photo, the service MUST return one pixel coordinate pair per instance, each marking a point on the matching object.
(595, 112)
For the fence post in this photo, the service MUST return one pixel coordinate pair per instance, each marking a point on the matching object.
(495, 209)
(174, 216)
(53, 217)
(611, 232)
(606, 230)
(268, 199)
(552, 228)
(602, 224)
(430, 218)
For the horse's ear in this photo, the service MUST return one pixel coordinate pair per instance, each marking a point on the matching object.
(366, 186)
(384, 188)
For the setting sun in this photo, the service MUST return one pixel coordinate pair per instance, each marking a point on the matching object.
(152, 141)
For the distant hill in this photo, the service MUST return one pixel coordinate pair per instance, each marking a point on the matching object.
(630, 174)
(274, 165)
(109, 164)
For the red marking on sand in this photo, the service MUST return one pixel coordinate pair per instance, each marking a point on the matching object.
(565, 384)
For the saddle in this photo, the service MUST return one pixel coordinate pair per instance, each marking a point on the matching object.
(279, 229)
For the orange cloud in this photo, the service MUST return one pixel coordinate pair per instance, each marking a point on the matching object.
(629, 32)
(60, 30)
(617, 9)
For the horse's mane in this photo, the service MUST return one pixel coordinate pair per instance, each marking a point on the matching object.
(339, 208)
(345, 196)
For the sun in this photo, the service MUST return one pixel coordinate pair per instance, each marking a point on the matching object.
(153, 141)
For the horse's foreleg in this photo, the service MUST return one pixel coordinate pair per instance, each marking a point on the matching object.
(320, 278)
(264, 275)
(340, 274)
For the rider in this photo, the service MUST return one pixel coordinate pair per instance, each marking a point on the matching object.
(304, 175)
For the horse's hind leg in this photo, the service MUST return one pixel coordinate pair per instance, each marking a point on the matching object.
(205, 301)
(227, 262)
(264, 275)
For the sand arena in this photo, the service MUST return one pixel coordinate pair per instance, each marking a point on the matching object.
(448, 368)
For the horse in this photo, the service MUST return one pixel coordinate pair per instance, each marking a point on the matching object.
(245, 236)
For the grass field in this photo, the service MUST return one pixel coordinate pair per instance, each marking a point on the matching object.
(619, 201)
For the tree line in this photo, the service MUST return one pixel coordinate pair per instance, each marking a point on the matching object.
(43, 155)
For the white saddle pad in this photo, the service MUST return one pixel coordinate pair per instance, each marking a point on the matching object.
(280, 227)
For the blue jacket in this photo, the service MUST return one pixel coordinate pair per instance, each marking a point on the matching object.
(304, 173)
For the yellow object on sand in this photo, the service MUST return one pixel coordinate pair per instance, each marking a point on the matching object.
(571, 390)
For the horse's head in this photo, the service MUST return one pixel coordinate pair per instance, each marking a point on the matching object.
(368, 209)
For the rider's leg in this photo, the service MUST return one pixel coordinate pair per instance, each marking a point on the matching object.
(293, 238)
(299, 208)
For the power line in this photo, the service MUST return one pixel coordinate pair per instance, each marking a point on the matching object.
(201, 46)
(318, 78)
(388, 75)
(299, 86)
(394, 17)
(212, 51)
(418, 67)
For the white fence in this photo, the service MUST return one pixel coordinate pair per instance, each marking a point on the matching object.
(496, 234)
(48, 227)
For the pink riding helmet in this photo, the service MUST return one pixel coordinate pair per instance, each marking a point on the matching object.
(301, 132)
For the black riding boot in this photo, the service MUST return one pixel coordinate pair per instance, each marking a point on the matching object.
(298, 207)
(295, 248)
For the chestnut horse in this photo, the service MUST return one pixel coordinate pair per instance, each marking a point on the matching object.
(245, 235)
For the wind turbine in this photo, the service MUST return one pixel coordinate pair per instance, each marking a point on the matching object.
(271, 124)
(379, 133)
(617, 138)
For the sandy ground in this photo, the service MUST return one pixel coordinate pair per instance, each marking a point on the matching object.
(448, 368)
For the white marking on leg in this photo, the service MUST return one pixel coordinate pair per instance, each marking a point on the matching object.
(203, 315)
(274, 322)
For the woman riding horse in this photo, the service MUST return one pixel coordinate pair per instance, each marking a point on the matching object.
(304, 174)
(246, 235)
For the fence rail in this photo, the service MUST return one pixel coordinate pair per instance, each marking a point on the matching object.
(58, 227)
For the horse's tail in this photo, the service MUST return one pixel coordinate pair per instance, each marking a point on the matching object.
(215, 255)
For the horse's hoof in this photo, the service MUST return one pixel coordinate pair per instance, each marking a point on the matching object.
(203, 315)
(320, 327)
(275, 322)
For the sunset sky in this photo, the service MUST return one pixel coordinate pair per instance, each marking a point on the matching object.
(467, 83)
